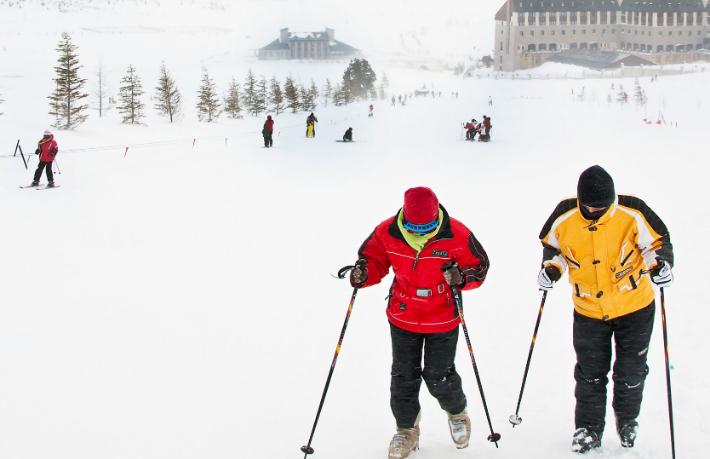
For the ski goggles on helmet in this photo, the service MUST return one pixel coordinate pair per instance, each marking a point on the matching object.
(421, 229)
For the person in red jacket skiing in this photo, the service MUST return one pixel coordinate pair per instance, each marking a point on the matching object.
(416, 243)
(47, 150)
(268, 132)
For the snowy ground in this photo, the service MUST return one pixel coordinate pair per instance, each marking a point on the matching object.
(178, 302)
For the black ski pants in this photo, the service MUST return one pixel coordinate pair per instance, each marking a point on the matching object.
(268, 139)
(41, 166)
(592, 343)
(439, 373)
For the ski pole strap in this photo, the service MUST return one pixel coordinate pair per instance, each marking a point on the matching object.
(346, 269)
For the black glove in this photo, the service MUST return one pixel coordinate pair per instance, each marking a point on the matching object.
(358, 276)
(547, 277)
(37, 151)
(453, 275)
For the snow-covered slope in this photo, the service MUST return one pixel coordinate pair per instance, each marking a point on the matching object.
(178, 302)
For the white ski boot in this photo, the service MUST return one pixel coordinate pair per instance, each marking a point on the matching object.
(404, 442)
(460, 427)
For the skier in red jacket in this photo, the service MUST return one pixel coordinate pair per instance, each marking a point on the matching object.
(416, 243)
(268, 132)
(47, 150)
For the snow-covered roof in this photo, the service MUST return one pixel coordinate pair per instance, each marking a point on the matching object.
(681, 6)
(308, 36)
(598, 58)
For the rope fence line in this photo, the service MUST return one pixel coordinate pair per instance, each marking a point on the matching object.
(126, 147)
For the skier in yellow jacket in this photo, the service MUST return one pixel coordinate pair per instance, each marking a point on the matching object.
(614, 248)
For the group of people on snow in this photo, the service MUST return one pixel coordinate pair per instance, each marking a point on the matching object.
(614, 247)
(482, 129)
(267, 130)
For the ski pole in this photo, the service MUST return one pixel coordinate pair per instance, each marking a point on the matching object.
(59, 171)
(515, 419)
(494, 437)
(668, 371)
(307, 449)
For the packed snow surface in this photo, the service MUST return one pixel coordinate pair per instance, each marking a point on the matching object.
(175, 300)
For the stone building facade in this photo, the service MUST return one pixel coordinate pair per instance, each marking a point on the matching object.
(529, 32)
(306, 45)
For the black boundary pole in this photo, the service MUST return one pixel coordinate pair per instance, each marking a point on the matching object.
(668, 371)
(22, 155)
(516, 419)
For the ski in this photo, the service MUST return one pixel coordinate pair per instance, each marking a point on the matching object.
(48, 187)
(22, 187)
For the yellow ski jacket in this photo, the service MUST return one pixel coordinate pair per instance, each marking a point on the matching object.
(607, 258)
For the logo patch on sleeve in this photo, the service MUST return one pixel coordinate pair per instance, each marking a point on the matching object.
(440, 253)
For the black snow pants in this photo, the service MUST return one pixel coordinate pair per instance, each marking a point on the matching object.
(268, 139)
(592, 343)
(439, 373)
(40, 167)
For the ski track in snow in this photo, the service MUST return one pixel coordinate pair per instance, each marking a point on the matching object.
(178, 302)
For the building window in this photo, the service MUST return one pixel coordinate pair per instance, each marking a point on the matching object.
(573, 18)
(542, 32)
(613, 17)
(543, 19)
(584, 31)
(605, 17)
(531, 18)
(573, 46)
(522, 34)
(501, 46)
(661, 19)
(553, 46)
(521, 19)
(691, 19)
(593, 17)
(553, 19)
(563, 32)
(531, 47)
(542, 47)
(671, 19)
(553, 32)
(643, 18)
(583, 18)
(563, 19)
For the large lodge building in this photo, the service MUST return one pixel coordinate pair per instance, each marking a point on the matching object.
(530, 32)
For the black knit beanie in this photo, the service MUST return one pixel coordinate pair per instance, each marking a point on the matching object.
(596, 188)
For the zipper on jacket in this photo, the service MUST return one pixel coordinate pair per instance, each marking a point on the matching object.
(416, 260)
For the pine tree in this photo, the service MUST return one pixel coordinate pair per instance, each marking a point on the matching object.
(385, 81)
(260, 97)
(167, 95)
(359, 78)
(232, 104)
(65, 103)
(342, 96)
(276, 97)
(382, 94)
(292, 95)
(313, 94)
(101, 92)
(249, 93)
(305, 98)
(129, 94)
(327, 91)
(207, 101)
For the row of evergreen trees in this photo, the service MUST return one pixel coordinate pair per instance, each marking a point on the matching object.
(254, 96)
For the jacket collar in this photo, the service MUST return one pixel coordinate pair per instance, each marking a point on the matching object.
(444, 231)
(604, 218)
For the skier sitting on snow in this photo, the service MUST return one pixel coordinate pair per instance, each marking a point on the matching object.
(484, 129)
(471, 129)
(609, 243)
(348, 136)
(417, 242)
(268, 132)
(311, 125)
(47, 150)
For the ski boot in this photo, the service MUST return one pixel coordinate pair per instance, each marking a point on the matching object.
(627, 432)
(585, 440)
(34, 183)
(404, 442)
(460, 428)
(50, 185)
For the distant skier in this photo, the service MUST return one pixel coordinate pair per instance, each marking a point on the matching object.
(394, 101)
(348, 136)
(372, 111)
(47, 150)
(268, 132)
(471, 129)
(490, 101)
(311, 125)
(417, 243)
(484, 131)
(610, 243)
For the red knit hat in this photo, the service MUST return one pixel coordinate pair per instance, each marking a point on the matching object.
(421, 206)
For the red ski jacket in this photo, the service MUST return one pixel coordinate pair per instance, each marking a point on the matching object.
(47, 149)
(420, 300)
(269, 126)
